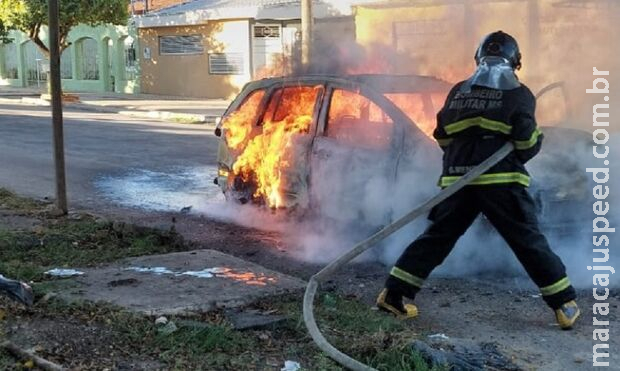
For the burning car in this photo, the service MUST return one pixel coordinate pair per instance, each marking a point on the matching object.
(327, 143)
(281, 134)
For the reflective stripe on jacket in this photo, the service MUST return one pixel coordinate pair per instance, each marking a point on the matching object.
(472, 126)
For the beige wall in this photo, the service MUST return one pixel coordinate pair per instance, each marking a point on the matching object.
(188, 75)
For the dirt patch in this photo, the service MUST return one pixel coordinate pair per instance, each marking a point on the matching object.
(77, 344)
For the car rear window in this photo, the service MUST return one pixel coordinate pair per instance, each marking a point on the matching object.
(357, 121)
(421, 108)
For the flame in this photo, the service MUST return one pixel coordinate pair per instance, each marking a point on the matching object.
(238, 125)
(249, 278)
(356, 120)
(268, 155)
(420, 110)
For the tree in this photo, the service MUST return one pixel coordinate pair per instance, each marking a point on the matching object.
(29, 16)
(4, 34)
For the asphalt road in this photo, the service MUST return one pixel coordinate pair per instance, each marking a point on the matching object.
(97, 146)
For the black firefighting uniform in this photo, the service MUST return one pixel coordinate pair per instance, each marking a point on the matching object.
(471, 127)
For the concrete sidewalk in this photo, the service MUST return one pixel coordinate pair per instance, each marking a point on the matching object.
(160, 107)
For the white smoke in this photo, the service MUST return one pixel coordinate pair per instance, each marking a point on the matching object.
(354, 198)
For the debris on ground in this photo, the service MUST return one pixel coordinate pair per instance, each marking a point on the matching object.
(463, 355)
(30, 357)
(253, 319)
(64, 273)
(16, 290)
(168, 328)
(439, 336)
(291, 366)
(161, 320)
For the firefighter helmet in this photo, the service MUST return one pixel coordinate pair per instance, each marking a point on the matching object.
(499, 44)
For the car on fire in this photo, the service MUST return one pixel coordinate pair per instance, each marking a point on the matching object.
(339, 145)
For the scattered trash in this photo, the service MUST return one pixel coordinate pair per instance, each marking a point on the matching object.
(154, 270)
(161, 321)
(205, 273)
(168, 329)
(463, 355)
(291, 366)
(59, 272)
(264, 336)
(439, 336)
(536, 296)
(186, 210)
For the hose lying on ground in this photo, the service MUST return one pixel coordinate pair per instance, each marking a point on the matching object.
(313, 283)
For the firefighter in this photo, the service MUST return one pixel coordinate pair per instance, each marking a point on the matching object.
(479, 116)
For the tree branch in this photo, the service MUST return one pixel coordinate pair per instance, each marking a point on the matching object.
(63, 41)
(34, 36)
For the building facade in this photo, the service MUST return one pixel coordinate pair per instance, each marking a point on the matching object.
(211, 48)
(99, 59)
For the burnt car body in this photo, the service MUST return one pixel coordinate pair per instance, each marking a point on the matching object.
(371, 135)
(366, 134)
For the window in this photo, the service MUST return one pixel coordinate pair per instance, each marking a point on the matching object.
(421, 108)
(238, 124)
(356, 121)
(226, 63)
(66, 62)
(181, 45)
(271, 32)
(10, 61)
(294, 107)
(129, 53)
(88, 65)
(35, 64)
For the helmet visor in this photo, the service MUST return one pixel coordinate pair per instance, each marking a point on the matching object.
(493, 72)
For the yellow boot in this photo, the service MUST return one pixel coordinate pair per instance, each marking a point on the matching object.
(401, 311)
(567, 314)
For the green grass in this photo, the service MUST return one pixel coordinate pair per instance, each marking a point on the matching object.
(208, 342)
(69, 243)
(72, 244)
(11, 201)
(372, 337)
(369, 336)
(185, 120)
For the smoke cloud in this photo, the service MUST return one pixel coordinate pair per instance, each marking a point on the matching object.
(561, 42)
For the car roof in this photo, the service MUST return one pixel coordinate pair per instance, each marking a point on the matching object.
(383, 83)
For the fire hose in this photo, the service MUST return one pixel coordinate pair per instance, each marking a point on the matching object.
(313, 283)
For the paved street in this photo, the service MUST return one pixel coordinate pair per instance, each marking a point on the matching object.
(98, 147)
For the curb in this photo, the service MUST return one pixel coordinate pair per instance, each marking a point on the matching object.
(177, 117)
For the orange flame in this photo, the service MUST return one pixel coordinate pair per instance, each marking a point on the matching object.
(248, 278)
(238, 125)
(421, 111)
(269, 154)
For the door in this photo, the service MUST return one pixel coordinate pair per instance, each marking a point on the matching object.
(353, 159)
(284, 142)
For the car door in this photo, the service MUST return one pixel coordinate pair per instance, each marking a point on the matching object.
(287, 129)
(353, 157)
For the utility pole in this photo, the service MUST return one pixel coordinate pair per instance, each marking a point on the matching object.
(56, 93)
(307, 22)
